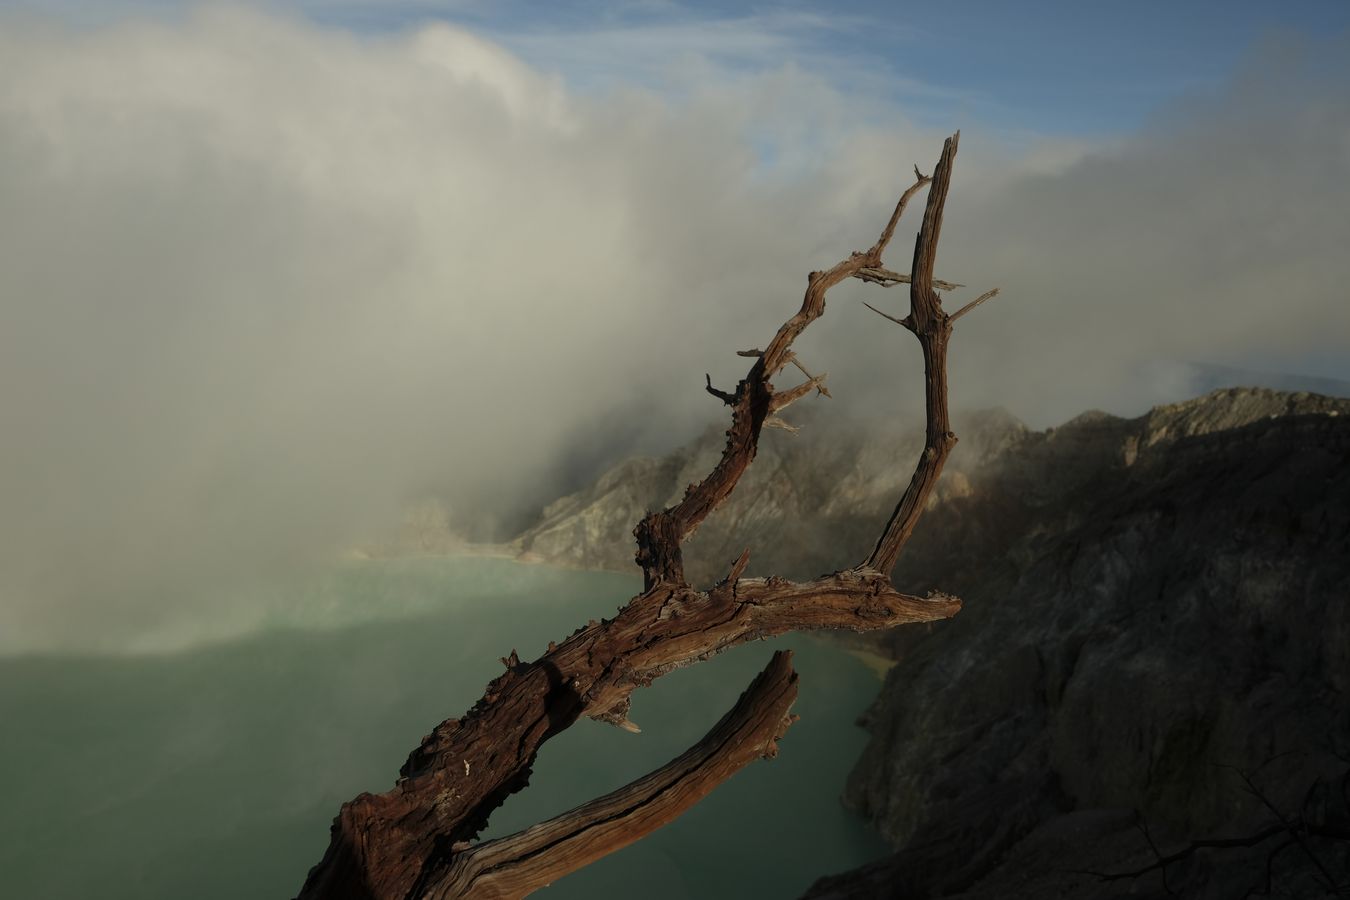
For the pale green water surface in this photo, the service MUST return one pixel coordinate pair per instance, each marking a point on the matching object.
(214, 772)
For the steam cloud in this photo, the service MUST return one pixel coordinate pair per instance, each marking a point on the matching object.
(261, 282)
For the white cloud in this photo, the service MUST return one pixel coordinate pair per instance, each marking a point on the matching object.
(261, 281)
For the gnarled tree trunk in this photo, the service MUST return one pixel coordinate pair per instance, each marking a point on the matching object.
(417, 840)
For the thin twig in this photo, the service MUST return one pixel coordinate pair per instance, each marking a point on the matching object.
(728, 399)
(905, 321)
(887, 278)
(819, 381)
(886, 233)
(783, 399)
(987, 295)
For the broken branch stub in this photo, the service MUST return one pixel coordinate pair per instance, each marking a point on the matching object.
(417, 840)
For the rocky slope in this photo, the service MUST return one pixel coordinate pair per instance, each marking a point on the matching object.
(1155, 609)
(812, 502)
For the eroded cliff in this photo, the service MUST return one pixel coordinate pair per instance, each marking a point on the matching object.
(1156, 609)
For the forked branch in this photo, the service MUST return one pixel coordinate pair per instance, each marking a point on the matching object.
(661, 534)
(417, 839)
(513, 866)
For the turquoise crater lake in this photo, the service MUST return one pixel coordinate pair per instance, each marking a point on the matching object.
(214, 771)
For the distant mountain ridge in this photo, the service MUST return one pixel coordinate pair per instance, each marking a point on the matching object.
(1207, 377)
(787, 509)
(814, 501)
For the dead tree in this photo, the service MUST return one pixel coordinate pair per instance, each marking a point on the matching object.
(417, 840)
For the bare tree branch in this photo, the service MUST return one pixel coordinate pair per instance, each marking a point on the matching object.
(512, 867)
(728, 399)
(819, 380)
(416, 840)
(381, 843)
(906, 322)
(888, 232)
(784, 399)
(987, 295)
(887, 278)
(933, 327)
(660, 534)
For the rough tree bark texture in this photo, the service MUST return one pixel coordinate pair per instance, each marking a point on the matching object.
(416, 840)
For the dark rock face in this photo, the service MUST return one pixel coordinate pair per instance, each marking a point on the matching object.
(1153, 608)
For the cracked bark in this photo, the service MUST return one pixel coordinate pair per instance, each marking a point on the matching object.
(416, 840)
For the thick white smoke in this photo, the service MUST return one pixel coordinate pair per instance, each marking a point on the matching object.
(261, 282)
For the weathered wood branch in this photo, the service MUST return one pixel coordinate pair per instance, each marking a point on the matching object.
(728, 399)
(885, 315)
(818, 380)
(661, 534)
(512, 867)
(417, 840)
(887, 278)
(987, 295)
(933, 327)
(784, 399)
(382, 844)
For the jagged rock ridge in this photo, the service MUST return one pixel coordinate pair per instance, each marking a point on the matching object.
(1153, 607)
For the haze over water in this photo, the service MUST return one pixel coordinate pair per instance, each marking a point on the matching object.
(215, 771)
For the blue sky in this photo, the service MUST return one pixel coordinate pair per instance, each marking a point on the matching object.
(1048, 66)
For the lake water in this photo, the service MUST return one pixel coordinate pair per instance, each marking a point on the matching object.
(214, 772)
